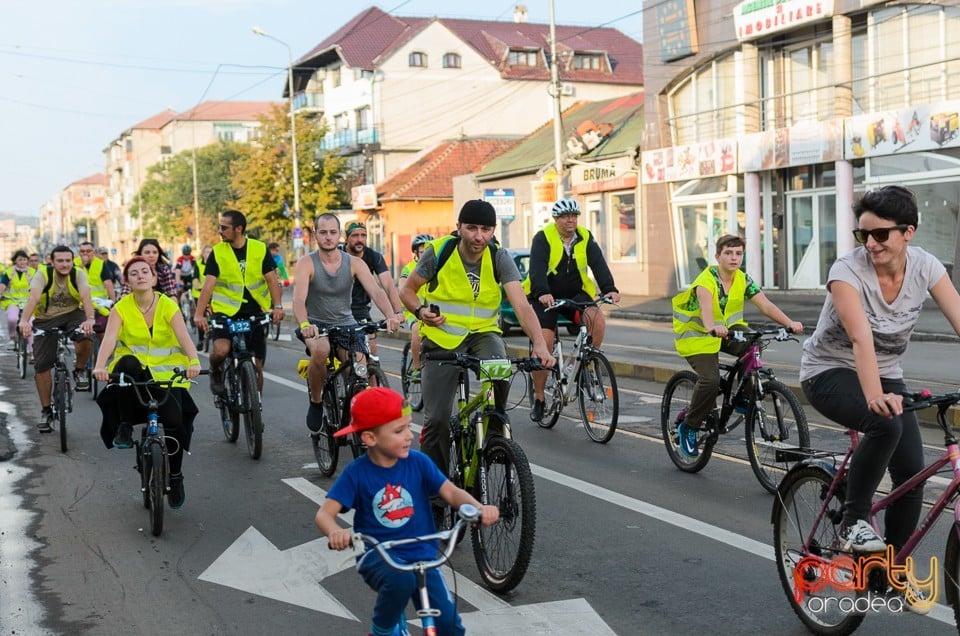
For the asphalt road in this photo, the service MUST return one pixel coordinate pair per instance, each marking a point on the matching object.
(626, 544)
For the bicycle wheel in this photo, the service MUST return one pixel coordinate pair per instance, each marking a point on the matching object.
(411, 388)
(21, 355)
(552, 397)
(252, 408)
(156, 486)
(599, 397)
(325, 447)
(673, 408)
(824, 609)
(275, 330)
(353, 439)
(778, 421)
(951, 573)
(233, 399)
(503, 550)
(142, 461)
(60, 405)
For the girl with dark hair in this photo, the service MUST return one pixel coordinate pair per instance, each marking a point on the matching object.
(15, 287)
(150, 250)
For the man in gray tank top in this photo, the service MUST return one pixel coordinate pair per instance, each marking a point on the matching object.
(322, 285)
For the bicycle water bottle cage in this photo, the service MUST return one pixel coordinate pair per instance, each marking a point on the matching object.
(495, 369)
(239, 326)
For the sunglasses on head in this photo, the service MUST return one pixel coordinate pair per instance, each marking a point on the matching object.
(880, 235)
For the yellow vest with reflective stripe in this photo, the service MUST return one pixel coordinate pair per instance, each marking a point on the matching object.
(95, 280)
(404, 273)
(692, 338)
(228, 292)
(159, 351)
(555, 241)
(45, 297)
(18, 291)
(198, 284)
(454, 295)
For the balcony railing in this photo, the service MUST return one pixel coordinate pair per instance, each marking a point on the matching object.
(349, 138)
(308, 101)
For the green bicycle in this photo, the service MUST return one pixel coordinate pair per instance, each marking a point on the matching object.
(492, 467)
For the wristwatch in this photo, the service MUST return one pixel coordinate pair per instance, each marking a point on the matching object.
(278, 306)
(416, 312)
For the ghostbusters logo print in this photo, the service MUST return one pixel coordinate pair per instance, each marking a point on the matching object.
(393, 506)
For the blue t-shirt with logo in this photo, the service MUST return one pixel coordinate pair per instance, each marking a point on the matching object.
(392, 503)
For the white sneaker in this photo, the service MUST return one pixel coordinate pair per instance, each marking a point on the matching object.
(861, 537)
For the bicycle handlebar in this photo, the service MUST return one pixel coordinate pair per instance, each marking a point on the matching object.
(468, 514)
(925, 399)
(469, 361)
(363, 327)
(58, 331)
(596, 302)
(780, 334)
(124, 380)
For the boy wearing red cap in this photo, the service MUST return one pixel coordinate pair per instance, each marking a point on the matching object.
(389, 488)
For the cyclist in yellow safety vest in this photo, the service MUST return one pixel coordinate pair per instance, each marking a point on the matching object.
(240, 281)
(15, 288)
(417, 246)
(702, 317)
(147, 338)
(101, 284)
(466, 292)
(560, 255)
(59, 298)
(199, 273)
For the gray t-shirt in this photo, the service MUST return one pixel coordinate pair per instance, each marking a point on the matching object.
(503, 265)
(892, 323)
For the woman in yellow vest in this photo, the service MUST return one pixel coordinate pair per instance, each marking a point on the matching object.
(702, 316)
(147, 338)
(15, 287)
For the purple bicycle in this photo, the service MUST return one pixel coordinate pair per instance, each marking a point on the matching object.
(774, 420)
(831, 589)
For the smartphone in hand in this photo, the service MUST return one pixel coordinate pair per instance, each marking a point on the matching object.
(435, 309)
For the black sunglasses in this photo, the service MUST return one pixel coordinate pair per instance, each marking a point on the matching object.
(880, 235)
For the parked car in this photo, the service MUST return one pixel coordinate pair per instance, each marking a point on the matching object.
(508, 317)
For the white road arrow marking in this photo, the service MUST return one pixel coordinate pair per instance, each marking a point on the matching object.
(253, 564)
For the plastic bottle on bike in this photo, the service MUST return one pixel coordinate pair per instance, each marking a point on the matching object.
(383, 487)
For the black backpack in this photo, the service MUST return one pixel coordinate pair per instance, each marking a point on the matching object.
(447, 250)
(45, 295)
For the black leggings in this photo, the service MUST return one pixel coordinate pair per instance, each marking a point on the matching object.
(892, 444)
(120, 404)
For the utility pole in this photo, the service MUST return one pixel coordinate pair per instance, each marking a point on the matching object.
(555, 92)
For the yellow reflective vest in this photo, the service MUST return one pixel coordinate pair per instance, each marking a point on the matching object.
(159, 350)
(228, 292)
(95, 280)
(555, 241)
(198, 284)
(692, 338)
(48, 271)
(454, 295)
(18, 290)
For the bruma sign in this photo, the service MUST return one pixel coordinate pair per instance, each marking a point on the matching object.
(757, 18)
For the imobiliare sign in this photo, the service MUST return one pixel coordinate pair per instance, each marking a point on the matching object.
(757, 18)
(814, 577)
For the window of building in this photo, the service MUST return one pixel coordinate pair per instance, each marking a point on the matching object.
(451, 60)
(810, 96)
(362, 74)
(417, 59)
(363, 118)
(229, 132)
(623, 211)
(341, 122)
(588, 61)
(704, 106)
(523, 58)
(335, 76)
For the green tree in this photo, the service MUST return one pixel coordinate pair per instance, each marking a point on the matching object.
(263, 176)
(165, 201)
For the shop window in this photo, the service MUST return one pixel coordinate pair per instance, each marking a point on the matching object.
(623, 211)
(705, 105)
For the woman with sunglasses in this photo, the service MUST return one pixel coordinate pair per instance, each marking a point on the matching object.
(850, 370)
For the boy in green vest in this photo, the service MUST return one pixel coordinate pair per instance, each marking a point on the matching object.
(702, 317)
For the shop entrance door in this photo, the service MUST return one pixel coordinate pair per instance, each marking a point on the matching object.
(698, 227)
(811, 239)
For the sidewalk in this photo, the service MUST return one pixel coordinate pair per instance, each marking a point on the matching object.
(799, 305)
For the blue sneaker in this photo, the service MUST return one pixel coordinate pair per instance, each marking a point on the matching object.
(687, 437)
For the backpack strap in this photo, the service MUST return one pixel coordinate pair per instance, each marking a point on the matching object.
(45, 294)
(446, 251)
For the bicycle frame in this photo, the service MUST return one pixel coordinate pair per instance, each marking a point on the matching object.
(480, 404)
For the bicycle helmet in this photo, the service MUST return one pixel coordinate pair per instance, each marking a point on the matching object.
(419, 241)
(185, 250)
(565, 206)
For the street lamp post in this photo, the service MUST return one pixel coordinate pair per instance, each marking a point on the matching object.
(293, 136)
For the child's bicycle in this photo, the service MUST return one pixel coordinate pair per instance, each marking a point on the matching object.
(752, 394)
(807, 517)
(20, 343)
(467, 514)
(493, 468)
(151, 448)
(585, 374)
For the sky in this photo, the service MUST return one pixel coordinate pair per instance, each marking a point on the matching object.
(75, 75)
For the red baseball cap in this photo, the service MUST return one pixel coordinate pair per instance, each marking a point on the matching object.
(374, 407)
